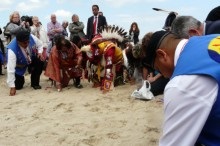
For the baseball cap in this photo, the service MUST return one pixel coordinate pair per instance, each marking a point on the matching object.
(214, 14)
(153, 45)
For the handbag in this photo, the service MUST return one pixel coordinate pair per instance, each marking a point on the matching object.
(144, 92)
(74, 72)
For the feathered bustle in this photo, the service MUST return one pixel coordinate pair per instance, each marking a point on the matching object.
(113, 32)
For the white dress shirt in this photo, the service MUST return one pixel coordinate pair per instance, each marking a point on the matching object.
(12, 59)
(188, 100)
(42, 34)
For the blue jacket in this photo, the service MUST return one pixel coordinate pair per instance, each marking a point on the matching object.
(201, 56)
(22, 64)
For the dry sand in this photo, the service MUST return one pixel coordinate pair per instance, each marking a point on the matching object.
(77, 117)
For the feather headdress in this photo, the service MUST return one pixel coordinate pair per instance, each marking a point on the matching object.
(113, 32)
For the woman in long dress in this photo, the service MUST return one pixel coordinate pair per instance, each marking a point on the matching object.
(64, 64)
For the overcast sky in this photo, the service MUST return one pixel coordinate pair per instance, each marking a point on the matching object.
(118, 12)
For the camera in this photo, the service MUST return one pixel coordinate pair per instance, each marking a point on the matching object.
(27, 19)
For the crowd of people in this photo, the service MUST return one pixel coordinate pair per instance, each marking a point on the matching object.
(59, 50)
(182, 61)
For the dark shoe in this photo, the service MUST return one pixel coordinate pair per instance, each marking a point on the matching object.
(36, 87)
(79, 86)
(2, 74)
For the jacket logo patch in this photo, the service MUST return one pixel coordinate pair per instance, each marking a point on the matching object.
(214, 49)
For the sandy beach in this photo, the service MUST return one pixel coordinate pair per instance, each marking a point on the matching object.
(77, 117)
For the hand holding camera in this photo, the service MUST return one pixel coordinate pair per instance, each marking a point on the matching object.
(23, 23)
(28, 20)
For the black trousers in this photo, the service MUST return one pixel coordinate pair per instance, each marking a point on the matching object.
(35, 69)
(19, 82)
(77, 81)
(157, 87)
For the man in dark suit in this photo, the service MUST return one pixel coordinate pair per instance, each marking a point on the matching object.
(212, 27)
(188, 26)
(95, 23)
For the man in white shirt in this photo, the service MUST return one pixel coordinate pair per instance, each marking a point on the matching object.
(192, 96)
(24, 51)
